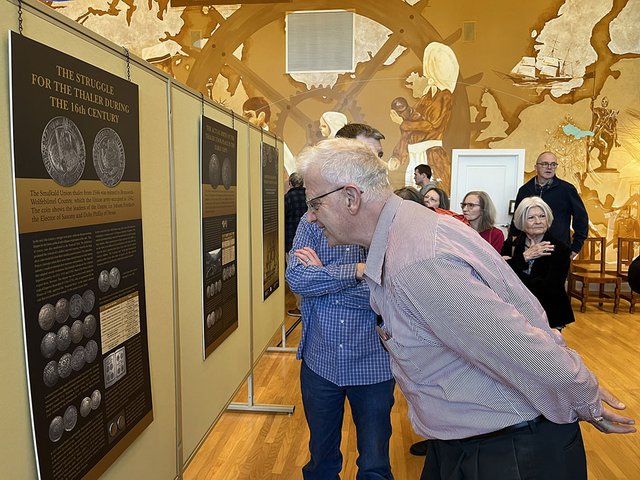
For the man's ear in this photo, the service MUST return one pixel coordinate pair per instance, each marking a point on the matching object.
(353, 198)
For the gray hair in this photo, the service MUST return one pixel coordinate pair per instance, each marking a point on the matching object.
(488, 209)
(342, 161)
(525, 206)
(295, 180)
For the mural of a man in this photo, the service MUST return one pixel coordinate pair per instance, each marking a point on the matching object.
(258, 112)
(432, 112)
(604, 125)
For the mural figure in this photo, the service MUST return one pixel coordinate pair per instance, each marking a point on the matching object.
(604, 125)
(400, 153)
(431, 114)
(331, 122)
(258, 112)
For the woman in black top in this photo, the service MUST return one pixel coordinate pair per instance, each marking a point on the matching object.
(541, 261)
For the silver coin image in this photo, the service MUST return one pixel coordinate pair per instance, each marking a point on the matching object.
(85, 407)
(70, 418)
(208, 321)
(63, 339)
(90, 324)
(47, 316)
(56, 429)
(214, 171)
(88, 300)
(227, 174)
(49, 345)
(96, 398)
(90, 351)
(114, 277)
(108, 156)
(64, 365)
(78, 358)
(113, 429)
(62, 310)
(121, 422)
(50, 375)
(63, 151)
(77, 331)
(103, 281)
(75, 306)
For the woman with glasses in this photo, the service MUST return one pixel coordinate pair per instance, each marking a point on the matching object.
(480, 212)
(540, 260)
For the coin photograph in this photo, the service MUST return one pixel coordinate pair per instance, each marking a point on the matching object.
(62, 310)
(91, 351)
(227, 174)
(50, 374)
(88, 300)
(64, 366)
(63, 151)
(90, 324)
(109, 157)
(77, 331)
(96, 397)
(214, 171)
(70, 418)
(63, 339)
(49, 345)
(78, 358)
(75, 306)
(56, 429)
(103, 281)
(47, 316)
(85, 407)
(114, 277)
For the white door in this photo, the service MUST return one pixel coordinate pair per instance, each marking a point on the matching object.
(500, 173)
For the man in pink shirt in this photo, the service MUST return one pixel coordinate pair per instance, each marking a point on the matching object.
(496, 389)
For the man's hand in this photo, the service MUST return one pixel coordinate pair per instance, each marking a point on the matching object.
(359, 271)
(573, 255)
(612, 422)
(308, 256)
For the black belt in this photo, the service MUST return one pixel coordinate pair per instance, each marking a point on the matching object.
(506, 430)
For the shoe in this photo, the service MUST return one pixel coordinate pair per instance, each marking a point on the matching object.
(295, 312)
(419, 449)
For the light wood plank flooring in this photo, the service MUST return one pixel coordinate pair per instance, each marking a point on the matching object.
(249, 446)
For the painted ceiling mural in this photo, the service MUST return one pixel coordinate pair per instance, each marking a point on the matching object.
(558, 75)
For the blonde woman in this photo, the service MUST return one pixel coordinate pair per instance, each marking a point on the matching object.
(479, 210)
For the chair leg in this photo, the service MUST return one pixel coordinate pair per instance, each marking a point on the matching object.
(616, 298)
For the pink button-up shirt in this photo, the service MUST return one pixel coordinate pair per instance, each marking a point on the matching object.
(470, 346)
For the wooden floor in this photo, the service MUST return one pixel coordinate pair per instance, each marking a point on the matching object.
(266, 446)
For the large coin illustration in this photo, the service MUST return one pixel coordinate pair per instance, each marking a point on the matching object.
(214, 171)
(63, 151)
(227, 174)
(108, 156)
(114, 277)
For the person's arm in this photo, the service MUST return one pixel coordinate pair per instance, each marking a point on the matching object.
(315, 279)
(494, 336)
(554, 276)
(513, 231)
(496, 239)
(580, 221)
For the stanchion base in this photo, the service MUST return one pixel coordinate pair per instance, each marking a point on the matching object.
(282, 349)
(261, 408)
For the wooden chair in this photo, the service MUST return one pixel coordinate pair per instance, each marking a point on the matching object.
(589, 268)
(628, 250)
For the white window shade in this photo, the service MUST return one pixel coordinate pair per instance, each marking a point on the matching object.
(320, 42)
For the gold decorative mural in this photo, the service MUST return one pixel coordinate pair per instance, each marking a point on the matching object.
(559, 75)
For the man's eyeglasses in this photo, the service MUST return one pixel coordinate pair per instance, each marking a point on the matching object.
(313, 204)
(469, 205)
(547, 164)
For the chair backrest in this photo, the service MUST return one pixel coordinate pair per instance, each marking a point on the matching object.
(628, 250)
(592, 256)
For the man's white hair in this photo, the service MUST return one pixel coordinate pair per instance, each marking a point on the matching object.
(342, 161)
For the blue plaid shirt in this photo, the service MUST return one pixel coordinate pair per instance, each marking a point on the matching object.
(339, 341)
